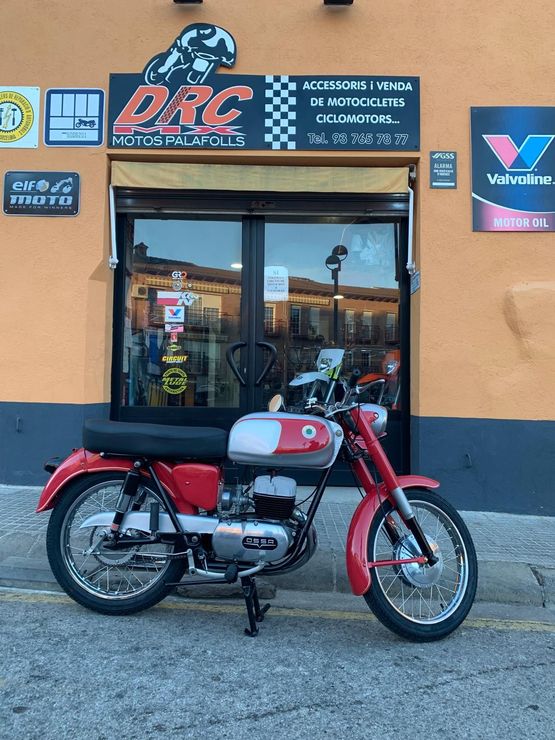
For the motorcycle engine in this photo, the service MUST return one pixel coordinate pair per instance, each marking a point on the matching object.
(263, 534)
(274, 497)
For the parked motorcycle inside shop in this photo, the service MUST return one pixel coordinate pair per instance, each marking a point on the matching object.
(142, 508)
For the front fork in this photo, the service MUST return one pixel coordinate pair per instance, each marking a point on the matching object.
(381, 461)
(412, 523)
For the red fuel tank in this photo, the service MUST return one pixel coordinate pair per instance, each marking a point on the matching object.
(285, 440)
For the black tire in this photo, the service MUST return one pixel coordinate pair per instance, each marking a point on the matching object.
(67, 572)
(416, 583)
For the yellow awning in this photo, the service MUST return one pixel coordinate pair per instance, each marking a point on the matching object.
(259, 178)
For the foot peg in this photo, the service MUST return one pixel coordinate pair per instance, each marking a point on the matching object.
(254, 611)
(231, 573)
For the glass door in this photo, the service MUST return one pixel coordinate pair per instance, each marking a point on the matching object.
(217, 313)
(334, 281)
(183, 315)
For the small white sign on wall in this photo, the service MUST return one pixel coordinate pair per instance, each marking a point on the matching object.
(19, 117)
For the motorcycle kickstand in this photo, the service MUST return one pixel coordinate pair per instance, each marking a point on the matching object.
(255, 613)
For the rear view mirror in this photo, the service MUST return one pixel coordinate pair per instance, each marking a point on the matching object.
(276, 403)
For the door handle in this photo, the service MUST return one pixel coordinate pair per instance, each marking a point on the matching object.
(271, 359)
(229, 355)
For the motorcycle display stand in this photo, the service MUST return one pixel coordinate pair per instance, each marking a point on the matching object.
(255, 613)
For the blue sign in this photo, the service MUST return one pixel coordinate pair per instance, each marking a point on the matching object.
(180, 101)
(74, 117)
(513, 169)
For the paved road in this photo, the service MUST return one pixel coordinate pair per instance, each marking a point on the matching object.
(184, 669)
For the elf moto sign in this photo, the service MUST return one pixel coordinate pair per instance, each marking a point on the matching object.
(41, 193)
(179, 101)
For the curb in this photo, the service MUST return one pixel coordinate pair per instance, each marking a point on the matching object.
(498, 582)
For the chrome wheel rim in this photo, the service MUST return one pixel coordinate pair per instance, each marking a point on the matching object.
(111, 575)
(420, 593)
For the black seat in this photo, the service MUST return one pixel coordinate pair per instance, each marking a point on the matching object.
(154, 440)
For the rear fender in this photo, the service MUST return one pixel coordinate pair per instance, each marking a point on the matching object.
(80, 462)
(357, 537)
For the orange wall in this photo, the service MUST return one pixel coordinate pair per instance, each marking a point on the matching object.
(484, 319)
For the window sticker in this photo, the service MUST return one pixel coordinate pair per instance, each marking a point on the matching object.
(174, 380)
(276, 283)
(173, 298)
(174, 314)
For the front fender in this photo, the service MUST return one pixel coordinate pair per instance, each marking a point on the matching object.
(80, 462)
(357, 537)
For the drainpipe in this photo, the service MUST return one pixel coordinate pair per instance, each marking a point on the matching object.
(112, 259)
(411, 267)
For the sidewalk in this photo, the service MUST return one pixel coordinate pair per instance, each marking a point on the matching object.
(516, 553)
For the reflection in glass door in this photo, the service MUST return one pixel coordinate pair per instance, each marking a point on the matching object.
(182, 312)
(331, 281)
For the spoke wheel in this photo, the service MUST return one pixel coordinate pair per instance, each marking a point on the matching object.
(110, 581)
(418, 601)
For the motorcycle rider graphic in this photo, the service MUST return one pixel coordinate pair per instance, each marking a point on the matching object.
(197, 52)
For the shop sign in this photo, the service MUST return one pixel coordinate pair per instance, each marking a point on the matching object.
(513, 169)
(41, 193)
(443, 169)
(19, 117)
(74, 117)
(179, 101)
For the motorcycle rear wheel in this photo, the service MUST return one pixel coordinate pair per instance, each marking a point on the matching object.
(420, 602)
(107, 581)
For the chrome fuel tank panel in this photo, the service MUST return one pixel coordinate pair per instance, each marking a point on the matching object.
(251, 541)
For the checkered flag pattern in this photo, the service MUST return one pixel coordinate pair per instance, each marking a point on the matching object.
(280, 113)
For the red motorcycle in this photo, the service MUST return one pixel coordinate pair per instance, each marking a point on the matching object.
(143, 505)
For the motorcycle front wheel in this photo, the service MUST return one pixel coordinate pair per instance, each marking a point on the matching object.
(108, 581)
(417, 601)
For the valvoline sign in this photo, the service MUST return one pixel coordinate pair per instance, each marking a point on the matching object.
(513, 169)
(179, 101)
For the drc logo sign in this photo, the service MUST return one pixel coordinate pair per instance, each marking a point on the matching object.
(179, 101)
(513, 169)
